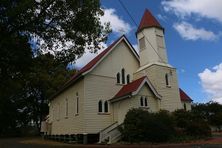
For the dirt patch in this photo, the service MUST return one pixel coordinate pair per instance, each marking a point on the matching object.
(40, 141)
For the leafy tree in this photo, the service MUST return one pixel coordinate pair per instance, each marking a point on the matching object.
(30, 28)
(211, 112)
(45, 78)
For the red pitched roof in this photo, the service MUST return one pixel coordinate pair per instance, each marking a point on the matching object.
(129, 88)
(184, 97)
(148, 20)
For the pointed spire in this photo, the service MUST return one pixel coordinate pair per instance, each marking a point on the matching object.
(148, 20)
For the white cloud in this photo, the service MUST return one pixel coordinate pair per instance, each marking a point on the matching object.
(87, 57)
(211, 81)
(211, 9)
(189, 32)
(117, 24)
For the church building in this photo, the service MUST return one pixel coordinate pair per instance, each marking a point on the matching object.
(94, 102)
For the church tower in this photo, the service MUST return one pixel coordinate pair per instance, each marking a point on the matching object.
(154, 62)
(150, 36)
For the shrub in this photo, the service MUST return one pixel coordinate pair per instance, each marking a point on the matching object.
(140, 125)
(191, 123)
(134, 125)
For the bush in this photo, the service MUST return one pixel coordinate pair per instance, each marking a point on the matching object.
(191, 124)
(141, 126)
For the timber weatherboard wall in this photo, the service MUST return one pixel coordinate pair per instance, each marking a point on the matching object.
(170, 94)
(73, 123)
(101, 84)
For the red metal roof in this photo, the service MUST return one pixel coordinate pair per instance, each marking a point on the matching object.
(148, 20)
(184, 97)
(129, 88)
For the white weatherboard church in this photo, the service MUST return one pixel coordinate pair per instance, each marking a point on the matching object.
(96, 99)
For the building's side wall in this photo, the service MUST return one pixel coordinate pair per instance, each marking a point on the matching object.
(101, 84)
(73, 123)
(123, 106)
(188, 105)
(170, 94)
(153, 102)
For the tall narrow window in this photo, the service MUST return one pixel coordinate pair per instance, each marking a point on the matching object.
(128, 79)
(167, 79)
(184, 106)
(58, 112)
(118, 77)
(77, 103)
(141, 101)
(123, 76)
(66, 111)
(145, 101)
(106, 106)
(100, 105)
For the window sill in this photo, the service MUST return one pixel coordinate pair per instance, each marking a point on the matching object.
(144, 107)
(120, 84)
(169, 86)
(103, 113)
(76, 114)
(66, 117)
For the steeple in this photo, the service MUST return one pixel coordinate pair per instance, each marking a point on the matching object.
(148, 20)
(150, 36)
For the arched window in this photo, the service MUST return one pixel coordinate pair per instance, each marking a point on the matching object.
(145, 101)
(141, 101)
(128, 79)
(118, 77)
(106, 106)
(100, 105)
(167, 79)
(123, 76)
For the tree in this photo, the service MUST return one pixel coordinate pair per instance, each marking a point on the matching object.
(30, 28)
(45, 78)
(49, 24)
(211, 112)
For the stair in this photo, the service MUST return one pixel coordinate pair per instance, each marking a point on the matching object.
(110, 134)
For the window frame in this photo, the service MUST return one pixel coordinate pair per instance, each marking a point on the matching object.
(66, 108)
(123, 75)
(106, 107)
(128, 79)
(118, 78)
(100, 106)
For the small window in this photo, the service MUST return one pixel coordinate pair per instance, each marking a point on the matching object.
(128, 79)
(66, 111)
(167, 79)
(106, 106)
(100, 105)
(123, 76)
(160, 42)
(145, 101)
(184, 106)
(141, 101)
(142, 43)
(118, 77)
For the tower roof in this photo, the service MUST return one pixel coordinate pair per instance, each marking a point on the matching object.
(148, 20)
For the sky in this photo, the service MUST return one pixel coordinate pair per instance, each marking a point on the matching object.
(193, 36)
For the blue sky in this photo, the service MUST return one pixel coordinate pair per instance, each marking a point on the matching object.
(193, 35)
